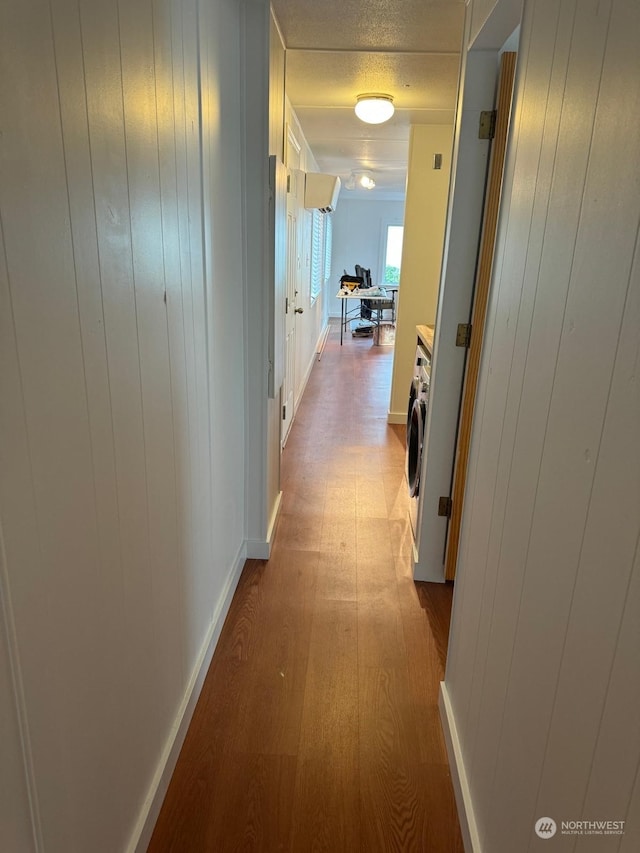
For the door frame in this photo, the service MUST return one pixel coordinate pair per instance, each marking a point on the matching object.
(480, 300)
(476, 93)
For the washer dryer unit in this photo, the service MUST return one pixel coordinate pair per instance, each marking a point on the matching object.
(416, 426)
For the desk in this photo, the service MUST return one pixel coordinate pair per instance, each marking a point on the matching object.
(347, 315)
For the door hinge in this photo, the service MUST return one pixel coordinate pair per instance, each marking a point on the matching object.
(463, 335)
(487, 129)
(284, 412)
(444, 507)
(288, 183)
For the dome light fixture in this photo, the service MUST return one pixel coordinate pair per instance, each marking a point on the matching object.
(366, 181)
(374, 108)
(360, 180)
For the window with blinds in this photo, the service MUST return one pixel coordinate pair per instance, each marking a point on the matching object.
(328, 235)
(321, 237)
(317, 254)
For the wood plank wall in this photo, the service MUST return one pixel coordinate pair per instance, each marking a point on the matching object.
(543, 667)
(121, 335)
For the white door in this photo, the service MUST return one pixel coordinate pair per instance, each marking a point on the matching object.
(295, 190)
(289, 385)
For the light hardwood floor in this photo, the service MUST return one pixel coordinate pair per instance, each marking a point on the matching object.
(317, 728)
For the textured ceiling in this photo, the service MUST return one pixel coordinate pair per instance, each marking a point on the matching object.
(405, 25)
(337, 49)
(328, 78)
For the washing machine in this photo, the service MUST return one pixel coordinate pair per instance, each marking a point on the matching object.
(416, 426)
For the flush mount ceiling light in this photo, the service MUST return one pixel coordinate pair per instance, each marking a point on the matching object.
(360, 180)
(374, 108)
(365, 181)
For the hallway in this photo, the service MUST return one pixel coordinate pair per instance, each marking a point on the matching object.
(317, 727)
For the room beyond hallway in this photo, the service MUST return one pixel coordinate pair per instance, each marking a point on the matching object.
(317, 727)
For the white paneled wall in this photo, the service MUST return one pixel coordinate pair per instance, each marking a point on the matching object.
(543, 677)
(15, 818)
(121, 387)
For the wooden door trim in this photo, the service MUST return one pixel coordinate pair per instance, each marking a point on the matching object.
(480, 301)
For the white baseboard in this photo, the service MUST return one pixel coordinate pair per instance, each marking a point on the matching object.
(260, 549)
(303, 384)
(151, 807)
(322, 340)
(468, 826)
(396, 417)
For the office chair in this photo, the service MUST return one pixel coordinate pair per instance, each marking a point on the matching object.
(379, 306)
(365, 305)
